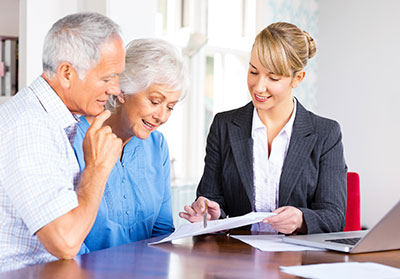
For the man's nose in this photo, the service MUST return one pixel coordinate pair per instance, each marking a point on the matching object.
(114, 88)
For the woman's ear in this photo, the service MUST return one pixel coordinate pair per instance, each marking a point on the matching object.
(299, 76)
(121, 97)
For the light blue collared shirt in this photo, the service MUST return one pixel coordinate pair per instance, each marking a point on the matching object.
(137, 199)
(37, 171)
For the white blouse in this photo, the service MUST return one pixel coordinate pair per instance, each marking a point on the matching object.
(267, 171)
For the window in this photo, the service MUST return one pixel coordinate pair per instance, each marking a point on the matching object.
(218, 71)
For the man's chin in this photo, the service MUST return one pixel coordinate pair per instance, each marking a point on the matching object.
(95, 112)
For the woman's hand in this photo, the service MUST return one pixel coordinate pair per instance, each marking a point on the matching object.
(194, 213)
(288, 220)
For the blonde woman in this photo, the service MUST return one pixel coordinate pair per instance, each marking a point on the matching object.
(273, 154)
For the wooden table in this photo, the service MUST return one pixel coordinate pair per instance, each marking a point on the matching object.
(206, 256)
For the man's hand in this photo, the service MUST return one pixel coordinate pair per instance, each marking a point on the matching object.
(64, 236)
(101, 147)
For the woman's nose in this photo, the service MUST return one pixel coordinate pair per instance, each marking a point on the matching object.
(162, 115)
(261, 85)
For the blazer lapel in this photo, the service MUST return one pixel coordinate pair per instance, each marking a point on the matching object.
(301, 144)
(242, 147)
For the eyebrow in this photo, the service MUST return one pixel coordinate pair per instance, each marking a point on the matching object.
(163, 96)
(271, 73)
(112, 75)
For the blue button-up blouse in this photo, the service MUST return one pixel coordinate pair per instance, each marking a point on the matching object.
(137, 199)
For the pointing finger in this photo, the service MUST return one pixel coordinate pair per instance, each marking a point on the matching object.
(99, 119)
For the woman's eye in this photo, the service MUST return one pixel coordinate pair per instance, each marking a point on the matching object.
(253, 73)
(171, 108)
(274, 79)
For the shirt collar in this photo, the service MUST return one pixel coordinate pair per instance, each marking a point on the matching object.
(52, 103)
(289, 125)
(257, 123)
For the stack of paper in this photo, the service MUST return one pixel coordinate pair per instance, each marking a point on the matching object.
(193, 229)
(348, 270)
(272, 243)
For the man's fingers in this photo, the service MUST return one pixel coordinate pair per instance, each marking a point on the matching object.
(99, 119)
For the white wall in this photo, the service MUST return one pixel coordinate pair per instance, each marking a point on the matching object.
(358, 49)
(137, 18)
(9, 17)
(33, 26)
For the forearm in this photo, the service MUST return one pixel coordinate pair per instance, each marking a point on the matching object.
(64, 236)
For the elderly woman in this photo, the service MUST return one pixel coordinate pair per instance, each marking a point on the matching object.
(137, 199)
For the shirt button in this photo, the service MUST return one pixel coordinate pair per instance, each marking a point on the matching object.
(127, 212)
(122, 164)
(124, 196)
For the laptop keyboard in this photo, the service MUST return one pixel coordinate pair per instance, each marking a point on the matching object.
(349, 241)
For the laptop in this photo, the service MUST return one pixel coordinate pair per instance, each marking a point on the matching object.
(383, 236)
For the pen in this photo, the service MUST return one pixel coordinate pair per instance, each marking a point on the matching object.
(205, 214)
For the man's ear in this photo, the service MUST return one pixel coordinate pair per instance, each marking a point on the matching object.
(65, 73)
(299, 76)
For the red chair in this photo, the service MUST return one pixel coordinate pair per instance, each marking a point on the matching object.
(353, 202)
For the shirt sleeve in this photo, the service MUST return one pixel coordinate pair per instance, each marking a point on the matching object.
(326, 211)
(164, 222)
(37, 173)
(210, 185)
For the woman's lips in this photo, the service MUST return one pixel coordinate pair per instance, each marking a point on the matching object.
(260, 98)
(148, 125)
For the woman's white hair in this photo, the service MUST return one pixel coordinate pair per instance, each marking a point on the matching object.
(151, 61)
(77, 39)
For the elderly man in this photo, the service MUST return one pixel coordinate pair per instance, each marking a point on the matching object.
(46, 207)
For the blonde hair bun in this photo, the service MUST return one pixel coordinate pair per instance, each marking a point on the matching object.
(312, 48)
(283, 48)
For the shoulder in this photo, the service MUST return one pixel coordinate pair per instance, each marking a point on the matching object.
(28, 122)
(22, 109)
(322, 125)
(227, 116)
(156, 140)
(156, 137)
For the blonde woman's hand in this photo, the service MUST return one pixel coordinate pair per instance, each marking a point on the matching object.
(288, 220)
(194, 213)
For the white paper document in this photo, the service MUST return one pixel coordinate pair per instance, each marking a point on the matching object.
(349, 270)
(272, 243)
(192, 229)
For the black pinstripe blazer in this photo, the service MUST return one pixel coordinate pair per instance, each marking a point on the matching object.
(313, 176)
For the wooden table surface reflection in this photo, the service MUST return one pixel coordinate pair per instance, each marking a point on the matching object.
(206, 256)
